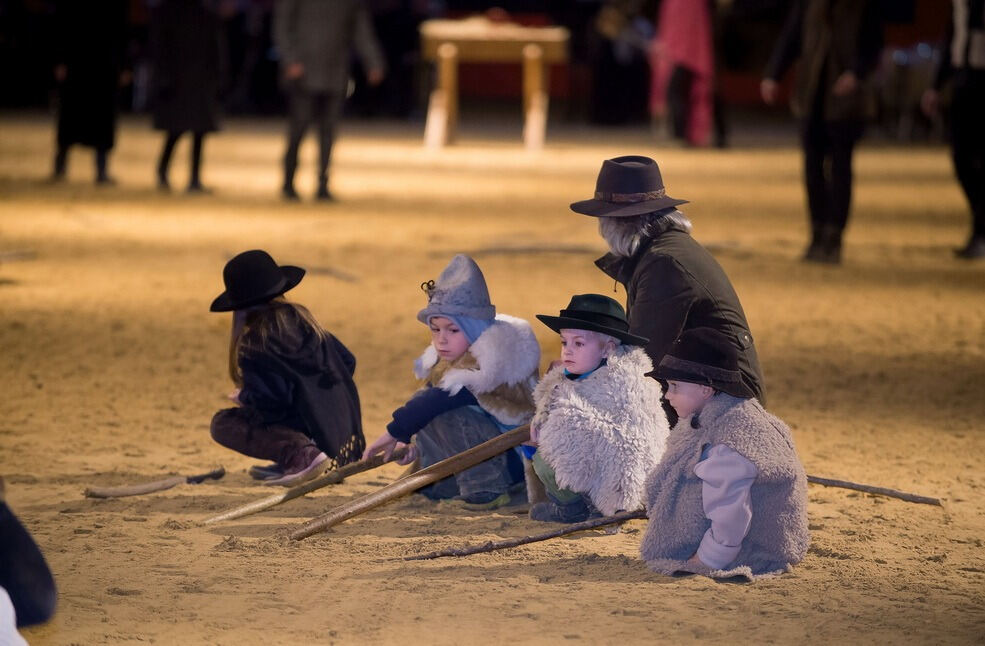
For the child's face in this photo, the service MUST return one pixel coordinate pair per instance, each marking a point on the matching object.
(447, 338)
(687, 398)
(582, 351)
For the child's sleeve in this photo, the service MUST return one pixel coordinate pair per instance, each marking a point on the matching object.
(264, 389)
(424, 406)
(347, 357)
(727, 479)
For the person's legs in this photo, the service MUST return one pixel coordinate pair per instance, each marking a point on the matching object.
(170, 140)
(194, 180)
(968, 155)
(61, 163)
(679, 100)
(565, 506)
(457, 431)
(815, 145)
(299, 108)
(243, 431)
(327, 116)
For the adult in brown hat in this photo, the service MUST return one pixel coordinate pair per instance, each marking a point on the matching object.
(672, 283)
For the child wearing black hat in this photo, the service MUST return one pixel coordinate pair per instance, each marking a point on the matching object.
(599, 427)
(729, 497)
(298, 404)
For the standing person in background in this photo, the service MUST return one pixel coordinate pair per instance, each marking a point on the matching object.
(315, 38)
(186, 48)
(91, 46)
(683, 75)
(963, 64)
(838, 43)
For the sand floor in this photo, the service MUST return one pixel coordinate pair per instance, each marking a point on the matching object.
(111, 367)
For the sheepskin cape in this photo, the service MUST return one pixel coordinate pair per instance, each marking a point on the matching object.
(603, 434)
(499, 369)
(778, 536)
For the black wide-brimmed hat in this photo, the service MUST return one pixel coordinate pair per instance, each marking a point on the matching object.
(596, 313)
(626, 186)
(703, 355)
(253, 277)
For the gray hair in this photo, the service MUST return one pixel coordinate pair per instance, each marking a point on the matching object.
(623, 235)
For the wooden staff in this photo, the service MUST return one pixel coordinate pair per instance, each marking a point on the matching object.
(422, 478)
(490, 546)
(150, 487)
(882, 491)
(330, 478)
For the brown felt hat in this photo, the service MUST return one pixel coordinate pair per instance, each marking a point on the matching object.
(627, 186)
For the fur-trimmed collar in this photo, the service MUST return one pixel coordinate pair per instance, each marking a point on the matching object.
(505, 353)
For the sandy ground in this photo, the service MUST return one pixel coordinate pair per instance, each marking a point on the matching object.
(111, 367)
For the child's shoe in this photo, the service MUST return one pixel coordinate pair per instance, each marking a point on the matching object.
(266, 471)
(553, 512)
(314, 462)
(480, 500)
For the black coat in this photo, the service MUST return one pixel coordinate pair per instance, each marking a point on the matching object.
(673, 284)
(91, 40)
(305, 382)
(186, 49)
(830, 37)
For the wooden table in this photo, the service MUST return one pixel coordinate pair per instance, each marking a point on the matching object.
(480, 40)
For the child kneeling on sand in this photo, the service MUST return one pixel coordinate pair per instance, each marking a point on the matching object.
(298, 405)
(479, 373)
(599, 426)
(729, 497)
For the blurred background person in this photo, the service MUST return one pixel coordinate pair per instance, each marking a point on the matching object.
(314, 39)
(186, 48)
(90, 42)
(963, 65)
(838, 43)
(683, 86)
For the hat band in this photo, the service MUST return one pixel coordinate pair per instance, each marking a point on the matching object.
(701, 369)
(597, 318)
(630, 198)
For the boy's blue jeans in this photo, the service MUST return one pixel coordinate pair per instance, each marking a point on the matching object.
(459, 430)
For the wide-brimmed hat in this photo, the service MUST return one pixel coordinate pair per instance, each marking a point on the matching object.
(253, 277)
(703, 355)
(626, 186)
(459, 291)
(596, 313)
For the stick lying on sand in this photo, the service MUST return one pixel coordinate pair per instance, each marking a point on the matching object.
(411, 483)
(330, 478)
(882, 491)
(150, 487)
(490, 546)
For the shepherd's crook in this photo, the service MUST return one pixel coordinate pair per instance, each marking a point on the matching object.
(490, 546)
(422, 478)
(151, 487)
(882, 491)
(330, 478)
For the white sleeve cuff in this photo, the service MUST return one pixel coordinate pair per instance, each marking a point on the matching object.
(714, 554)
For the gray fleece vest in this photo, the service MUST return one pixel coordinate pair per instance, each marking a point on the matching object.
(778, 535)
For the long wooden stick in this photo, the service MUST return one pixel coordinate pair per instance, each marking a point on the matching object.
(150, 487)
(882, 491)
(411, 483)
(330, 478)
(490, 546)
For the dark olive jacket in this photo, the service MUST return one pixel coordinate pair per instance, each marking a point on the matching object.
(673, 284)
(830, 37)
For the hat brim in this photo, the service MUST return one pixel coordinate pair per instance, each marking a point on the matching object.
(598, 208)
(736, 389)
(292, 276)
(558, 323)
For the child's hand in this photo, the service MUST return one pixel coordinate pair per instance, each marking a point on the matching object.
(554, 364)
(411, 454)
(234, 396)
(534, 435)
(384, 444)
(695, 563)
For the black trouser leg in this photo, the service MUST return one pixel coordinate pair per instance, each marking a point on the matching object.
(842, 137)
(721, 121)
(194, 181)
(61, 162)
(299, 105)
(328, 110)
(968, 149)
(679, 101)
(165, 161)
(102, 162)
(815, 147)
